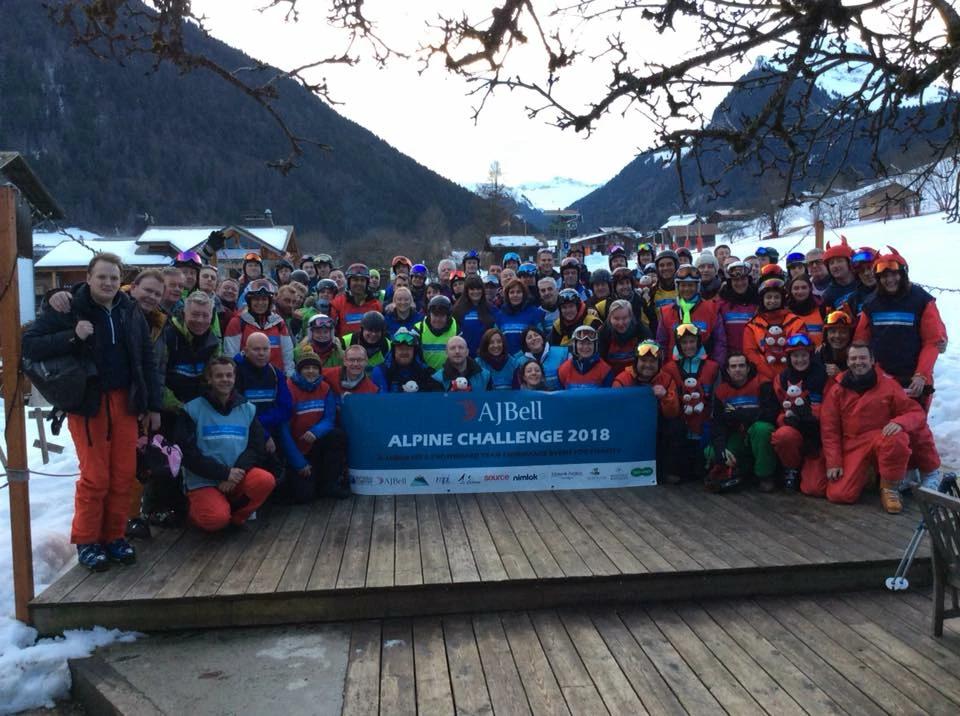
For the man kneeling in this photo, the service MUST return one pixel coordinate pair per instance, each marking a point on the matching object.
(222, 441)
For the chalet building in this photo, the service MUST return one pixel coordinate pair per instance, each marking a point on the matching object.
(526, 246)
(66, 263)
(892, 200)
(684, 229)
(608, 237)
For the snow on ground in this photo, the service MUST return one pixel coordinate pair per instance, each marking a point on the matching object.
(34, 673)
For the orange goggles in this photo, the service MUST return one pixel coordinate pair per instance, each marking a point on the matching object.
(838, 318)
(886, 265)
(648, 348)
(251, 256)
(687, 329)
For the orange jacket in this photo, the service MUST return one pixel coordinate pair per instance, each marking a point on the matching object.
(850, 422)
(765, 340)
(669, 403)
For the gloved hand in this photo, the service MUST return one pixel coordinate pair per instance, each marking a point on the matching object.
(216, 240)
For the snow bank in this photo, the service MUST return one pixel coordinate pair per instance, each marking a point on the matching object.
(34, 673)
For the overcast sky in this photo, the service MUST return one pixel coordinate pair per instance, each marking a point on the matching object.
(428, 117)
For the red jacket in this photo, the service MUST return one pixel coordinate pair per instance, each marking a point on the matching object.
(706, 316)
(332, 376)
(598, 375)
(309, 408)
(669, 404)
(696, 392)
(275, 328)
(850, 422)
(350, 313)
(765, 341)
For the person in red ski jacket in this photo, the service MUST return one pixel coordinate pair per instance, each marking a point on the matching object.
(355, 301)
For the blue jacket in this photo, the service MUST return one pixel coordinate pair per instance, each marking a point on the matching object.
(478, 377)
(393, 323)
(501, 379)
(550, 360)
(472, 328)
(512, 321)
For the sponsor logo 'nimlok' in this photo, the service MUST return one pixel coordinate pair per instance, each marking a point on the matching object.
(527, 476)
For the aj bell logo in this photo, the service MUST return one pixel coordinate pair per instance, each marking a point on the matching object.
(506, 411)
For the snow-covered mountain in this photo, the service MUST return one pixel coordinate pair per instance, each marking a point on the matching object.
(556, 193)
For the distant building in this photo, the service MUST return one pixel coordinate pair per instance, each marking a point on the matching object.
(524, 245)
(608, 237)
(66, 263)
(683, 230)
(888, 201)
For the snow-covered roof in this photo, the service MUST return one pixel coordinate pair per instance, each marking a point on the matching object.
(588, 237)
(512, 241)
(74, 255)
(680, 220)
(49, 239)
(184, 238)
(618, 230)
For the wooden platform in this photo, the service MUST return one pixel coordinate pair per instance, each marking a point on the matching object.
(855, 653)
(426, 555)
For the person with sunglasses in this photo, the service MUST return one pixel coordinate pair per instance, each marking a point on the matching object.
(742, 421)
(737, 303)
(817, 271)
(321, 340)
(903, 327)
(404, 369)
(868, 421)
(837, 337)
(799, 393)
(806, 306)
(584, 368)
(694, 374)
(691, 308)
(260, 317)
(766, 334)
(646, 370)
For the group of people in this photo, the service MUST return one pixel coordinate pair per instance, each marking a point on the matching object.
(816, 376)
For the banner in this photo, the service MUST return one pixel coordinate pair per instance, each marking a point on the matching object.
(500, 441)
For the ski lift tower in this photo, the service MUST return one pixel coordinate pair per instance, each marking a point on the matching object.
(567, 224)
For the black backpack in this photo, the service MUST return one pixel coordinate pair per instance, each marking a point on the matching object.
(61, 380)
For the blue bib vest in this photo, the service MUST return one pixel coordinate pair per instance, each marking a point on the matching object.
(222, 437)
(895, 330)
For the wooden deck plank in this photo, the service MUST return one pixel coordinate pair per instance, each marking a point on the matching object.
(539, 683)
(620, 556)
(884, 665)
(551, 536)
(645, 528)
(397, 692)
(575, 682)
(508, 546)
(459, 555)
(227, 550)
(541, 560)
(356, 552)
(190, 568)
(326, 567)
(642, 550)
(297, 571)
(433, 550)
(407, 568)
(773, 660)
(149, 552)
(470, 694)
(682, 680)
(654, 692)
(590, 552)
(485, 554)
(614, 688)
(361, 692)
(884, 693)
(507, 695)
(380, 567)
(153, 579)
(766, 691)
(911, 625)
(257, 552)
(434, 692)
(733, 697)
(271, 570)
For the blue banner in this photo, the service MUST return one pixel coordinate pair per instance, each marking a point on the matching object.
(502, 441)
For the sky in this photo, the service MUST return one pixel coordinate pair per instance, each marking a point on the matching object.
(428, 116)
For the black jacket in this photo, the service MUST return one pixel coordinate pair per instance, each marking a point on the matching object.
(53, 334)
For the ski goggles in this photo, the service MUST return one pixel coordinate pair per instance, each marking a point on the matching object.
(584, 333)
(768, 252)
(321, 321)
(323, 259)
(688, 273)
(863, 256)
(887, 265)
(687, 329)
(491, 280)
(645, 249)
(837, 318)
(252, 256)
(796, 258)
(406, 337)
(261, 287)
(800, 340)
(189, 257)
(738, 269)
(649, 348)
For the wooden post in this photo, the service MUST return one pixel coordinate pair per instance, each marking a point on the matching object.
(15, 429)
(818, 233)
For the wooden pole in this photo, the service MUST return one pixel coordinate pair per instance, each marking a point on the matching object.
(15, 429)
(818, 233)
